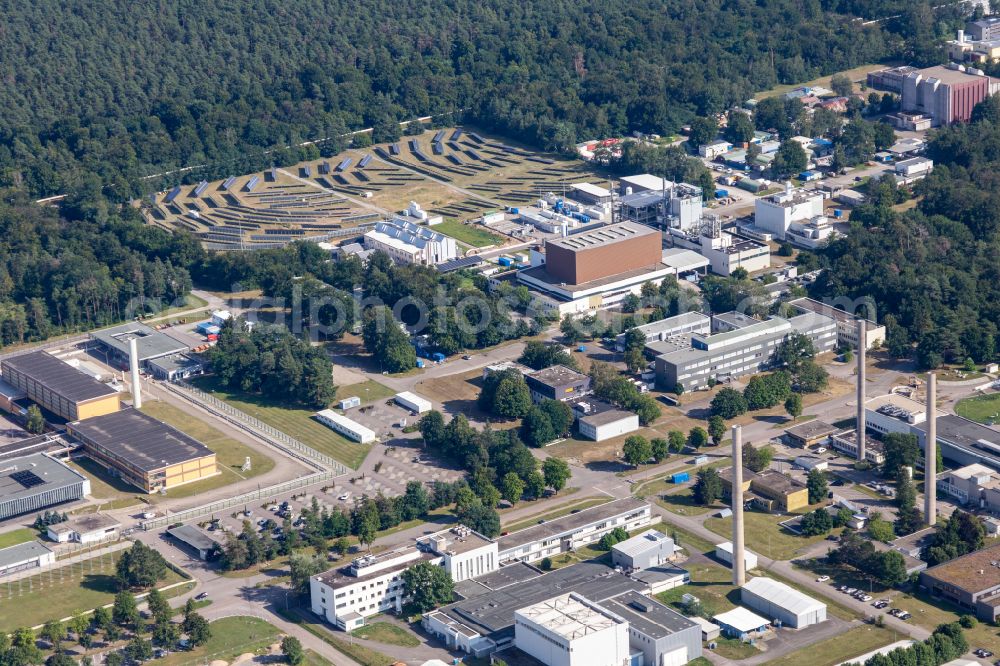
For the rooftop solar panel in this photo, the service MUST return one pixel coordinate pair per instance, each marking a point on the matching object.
(364, 161)
(27, 479)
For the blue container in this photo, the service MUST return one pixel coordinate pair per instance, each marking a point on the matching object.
(838, 213)
(420, 363)
(504, 261)
(581, 348)
(512, 209)
(437, 356)
(721, 193)
(680, 477)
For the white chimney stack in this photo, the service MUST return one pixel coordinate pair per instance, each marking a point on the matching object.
(739, 553)
(133, 359)
(930, 453)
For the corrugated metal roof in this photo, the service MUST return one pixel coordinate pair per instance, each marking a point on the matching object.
(782, 595)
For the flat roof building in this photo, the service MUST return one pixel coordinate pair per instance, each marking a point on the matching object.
(598, 420)
(971, 582)
(847, 327)
(484, 623)
(34, 482)
(589, 194)
(769, 489)
(846, 442)
(734, 353)
(85, 529)
(345, 426)
(663, 635)
(25, 556)
(58, 387)
(144, 451)
(724, 553)
(413, 402)
(643, 551)
(602, 252)
(810, 433)
(570, 630)
(946, 94)
(150, 343)
(777, 213)
(663, 329)
(782, 603)
(557, 383)
(196, 540)
(575, 530)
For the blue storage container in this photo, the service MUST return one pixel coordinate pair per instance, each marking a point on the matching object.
(838, 212)
(680, 477)
(437, 356)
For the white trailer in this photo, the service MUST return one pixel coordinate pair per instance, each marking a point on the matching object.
(413, 402)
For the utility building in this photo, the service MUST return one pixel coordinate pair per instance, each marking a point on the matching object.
(58, 387)
(946, 94)
(649, 549)
(569, 630)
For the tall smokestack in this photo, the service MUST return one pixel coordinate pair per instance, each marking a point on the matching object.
(739, 556)
(930, 453)
(862, 351)
(133, 361)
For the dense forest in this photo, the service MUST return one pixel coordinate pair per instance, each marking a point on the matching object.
(58, 275)
(933, 272)
(98, 95)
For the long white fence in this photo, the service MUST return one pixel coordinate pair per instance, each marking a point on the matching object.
(269, 492)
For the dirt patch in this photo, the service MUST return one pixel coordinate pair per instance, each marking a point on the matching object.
(457, 393)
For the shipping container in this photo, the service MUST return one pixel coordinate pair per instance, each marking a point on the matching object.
(680, 477)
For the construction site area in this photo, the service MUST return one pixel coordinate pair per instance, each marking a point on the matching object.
(457, 174)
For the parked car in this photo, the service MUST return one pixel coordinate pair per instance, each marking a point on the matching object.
(203, 595)
(822, 579)
(344, 497)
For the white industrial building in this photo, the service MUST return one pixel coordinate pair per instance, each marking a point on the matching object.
(373, 584)
(782, 603)
(724, 553)
(726, 252)
(589, 194)
(793, 214)
(577, 529)
(663, 329)
(847, 323)
(88, 528)
(741, 623)
(345, 426)
(413, 402)
(893, 413)
(409, 243)
(915, 167)
(24, 556)
(599, 421)
(649, 549)
(569, 630)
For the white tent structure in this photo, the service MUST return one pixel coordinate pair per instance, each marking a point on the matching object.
(782, 603)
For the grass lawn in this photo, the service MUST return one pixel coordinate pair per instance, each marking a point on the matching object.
(46, 596)
(558, 512)
(231, 637)
(14, 537)
(712, 585)
(852, 643)
(362, 654)
(682, 502)
(764, 535)
(733, 649)
(229, 453)
(470, 234)
(293, 420)
(104, 486)
(314, 659)
(981, 408)
(384, 632)
(368, 391)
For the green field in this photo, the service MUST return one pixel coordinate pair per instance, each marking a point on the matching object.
(229, 453)
(981, 408)
(362, 654)
(293, 420)
(764, 535)
(231, 637)
(712, 584)
(46, 596)
(837, 649)
(390, 634)
(368, 391)
(470, 234)
(14, 537)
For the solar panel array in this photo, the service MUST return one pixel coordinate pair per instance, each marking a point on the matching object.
(364, 161)
(394, 148)
(202, 186)
(229, 182)
(27, 478)
(172, 194)
(346, 162)
(252, 183)
(324, 169)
